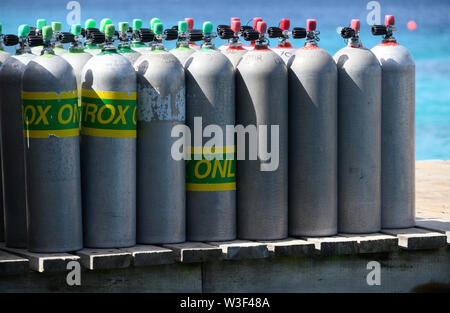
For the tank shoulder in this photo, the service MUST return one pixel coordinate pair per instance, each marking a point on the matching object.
(211, 59)
(312, 58)
(361, 57)
(393, 55)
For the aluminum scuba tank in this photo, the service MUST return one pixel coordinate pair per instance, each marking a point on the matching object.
(52, 148)
(108, 146)
(182, 51)
(3, 54)
(234, 51)
(210, 172)
(140, 37)
(13, 154)
(89, 32)
(161, 193)
(255, 21)
(397, 129)
(312, 138)
(124, 48)
(225, 46)
(359, 130)
(284, 48)
(40, 23)
(58, 47)
(262, 101)
(191, 29)
(76, 56)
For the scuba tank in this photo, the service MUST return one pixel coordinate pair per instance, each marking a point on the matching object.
(161, 193)
(58, 47)
(3, 54)
(312, 138)
(153, 21)
(359, 130)
(52, 147)
(13, 154)
(397, 129)
(220, 27)
(255, 21)
(210, 172)
(234, 50)
(262, 101)
(89, 33)
(40, 23)
(103, 23)
(76, 56)
(124, 48)
(197, 32)
(108, 146)
(140, 37)
(284, 49)
(183, 51)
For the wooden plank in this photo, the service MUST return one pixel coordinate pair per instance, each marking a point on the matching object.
(189, 252)
(374, 243)
(95, 259)
(11, 264)
(417, 238)
(242, 249)
(333, 245)
(290, 247)
(44, 262)
(145, 255)
(437, 225)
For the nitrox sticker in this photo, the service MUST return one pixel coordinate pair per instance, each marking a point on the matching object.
(211, 172)
(108, 113)
(49, 113)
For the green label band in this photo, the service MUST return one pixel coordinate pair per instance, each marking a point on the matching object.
(108, 114)
(49, 113)
(209, 173)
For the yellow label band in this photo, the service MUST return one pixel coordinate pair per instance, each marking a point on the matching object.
(48, 133)
(211, 187)
(31, 95)
(112, 95)
(116, 133)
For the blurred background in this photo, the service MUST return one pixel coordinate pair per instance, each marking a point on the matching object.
(427, 37)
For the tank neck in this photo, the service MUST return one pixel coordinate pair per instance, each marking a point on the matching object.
(76, 47)
(355, 42)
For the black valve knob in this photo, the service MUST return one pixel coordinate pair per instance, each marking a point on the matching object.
(225, 33)
(171, 34)
(379, 30)
(347, 32)
(66, 37)
(245, 27)
(10, 40)
(195, 35)
(145, 35)
(298, 33)
(34, 41)
(97, 37)
(275, 32)
(250, 35)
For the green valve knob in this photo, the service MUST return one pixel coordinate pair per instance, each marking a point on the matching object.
(153, 21)
(103, 23)
(137, 24)
(47, 32)
(110, 30)
(158, 28)
(56, 26)
(207, 28)
(23, 30)
(123, 27)
(182, 26)
(76, 29)
(40, 23)
(90, 23)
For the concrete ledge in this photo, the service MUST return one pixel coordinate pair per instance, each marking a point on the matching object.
(374, 243)
(189, 252)
(94, 259)
(334, 245)
(145, 255)
(44, 262)
(438, 225)
(11, 264)
(417, 238)
(290, 247)
(242, 249)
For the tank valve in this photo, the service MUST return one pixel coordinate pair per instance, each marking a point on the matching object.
(352, 34)
(281, 32)
(208, 35)
(385, 30)
(231, 33)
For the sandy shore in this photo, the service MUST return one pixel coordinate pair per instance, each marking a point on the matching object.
(433, 189)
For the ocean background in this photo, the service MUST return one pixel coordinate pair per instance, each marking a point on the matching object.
(429, 44)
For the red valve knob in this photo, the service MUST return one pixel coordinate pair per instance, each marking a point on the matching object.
(236, 26)
(190, 22)
(355, 25)
(389, 20)
(261, 27)
(285, 24)
(311, 25)
(255, 21)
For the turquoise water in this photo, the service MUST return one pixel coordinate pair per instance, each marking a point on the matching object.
(430, 44)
